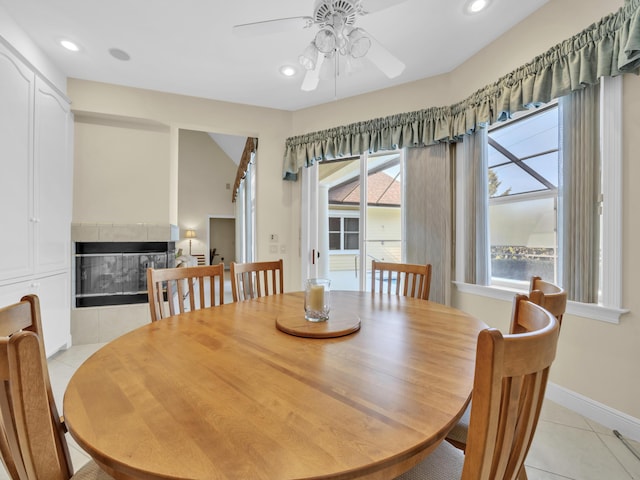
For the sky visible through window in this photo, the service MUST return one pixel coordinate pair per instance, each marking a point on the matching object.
(523, 154)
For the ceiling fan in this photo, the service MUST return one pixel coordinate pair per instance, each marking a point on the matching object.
(336, 36)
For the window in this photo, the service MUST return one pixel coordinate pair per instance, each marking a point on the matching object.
(609, 305)
(344, 233)
(523, 174)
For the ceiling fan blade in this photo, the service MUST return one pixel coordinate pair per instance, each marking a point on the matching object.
(272, 26)
(372, 6)
(312, 77)
(382, 58)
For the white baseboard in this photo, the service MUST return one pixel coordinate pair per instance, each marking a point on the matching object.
(598, 412)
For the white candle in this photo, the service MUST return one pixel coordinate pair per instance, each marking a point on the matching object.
(316, 298)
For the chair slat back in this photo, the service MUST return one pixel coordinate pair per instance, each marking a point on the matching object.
(256, 279)
(32, 439)
(549, 296)
(510, 381)
(410, 280)
(185, 289)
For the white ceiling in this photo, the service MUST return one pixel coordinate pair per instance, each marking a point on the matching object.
(187, 47)
(232, 145)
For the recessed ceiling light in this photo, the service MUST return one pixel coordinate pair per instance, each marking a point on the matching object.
(69, 45)
(119, 54)
(287, 71)
(475, 6)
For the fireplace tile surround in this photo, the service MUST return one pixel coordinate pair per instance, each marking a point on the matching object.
(104, 323)
(138, 232)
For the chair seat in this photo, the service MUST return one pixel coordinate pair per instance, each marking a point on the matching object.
(459, 432)
(444, 463)
(91, 471)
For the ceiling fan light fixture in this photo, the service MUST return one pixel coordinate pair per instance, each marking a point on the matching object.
(309, 57)
(325, 40)
(359, 43)
(336, 39)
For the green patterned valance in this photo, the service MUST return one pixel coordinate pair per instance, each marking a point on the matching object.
(609, 47)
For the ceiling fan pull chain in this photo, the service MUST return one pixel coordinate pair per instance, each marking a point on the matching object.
(335, 77)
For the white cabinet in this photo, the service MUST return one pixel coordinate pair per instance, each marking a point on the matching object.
(16, 177)
(53, 187)
(55, 298)
(36, 127)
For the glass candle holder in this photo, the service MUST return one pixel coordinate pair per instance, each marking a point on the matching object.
(317, 299)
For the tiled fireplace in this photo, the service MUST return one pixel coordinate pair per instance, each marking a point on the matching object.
(109, 284)
(115, 273)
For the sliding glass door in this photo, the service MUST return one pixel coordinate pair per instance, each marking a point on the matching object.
(353, 215)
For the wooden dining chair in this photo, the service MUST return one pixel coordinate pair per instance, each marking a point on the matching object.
(197, 287)
(255, 279)
(549, 296)
(32, 433)
(410, 280)
(553, 299)
(508, 390)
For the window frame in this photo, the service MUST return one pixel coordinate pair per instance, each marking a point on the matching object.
(551, 192)
(342, 215)
(609, 309)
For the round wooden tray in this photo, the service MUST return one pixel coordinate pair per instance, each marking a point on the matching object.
(338, 325)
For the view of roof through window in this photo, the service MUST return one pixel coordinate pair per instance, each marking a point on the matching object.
(523, 155)
(384, 183)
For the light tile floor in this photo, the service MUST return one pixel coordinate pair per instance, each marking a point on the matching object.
(566, 445)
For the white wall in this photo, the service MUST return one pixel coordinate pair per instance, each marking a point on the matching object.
(596, 360)
(121, 172)
(204, 170)
(276, 209)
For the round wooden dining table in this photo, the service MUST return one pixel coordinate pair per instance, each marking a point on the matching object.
(223, 393)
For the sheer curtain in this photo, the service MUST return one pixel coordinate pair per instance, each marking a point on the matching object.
(473, 246)
(580, 194)
(428, 203)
